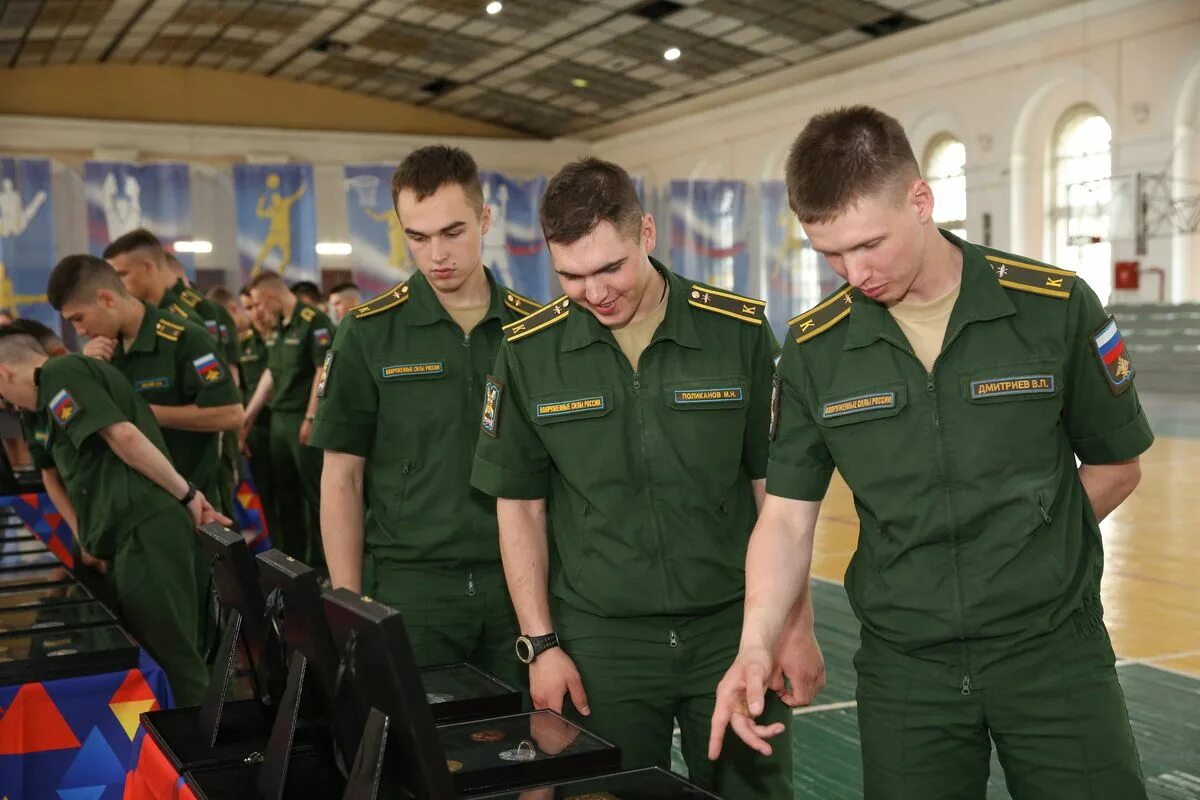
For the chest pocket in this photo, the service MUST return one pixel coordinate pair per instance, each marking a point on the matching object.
(859, 406)
(708, 394)
(571, 405)
(1015, 382)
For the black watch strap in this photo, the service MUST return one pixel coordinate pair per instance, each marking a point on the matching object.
(191, 494)
(530, 647)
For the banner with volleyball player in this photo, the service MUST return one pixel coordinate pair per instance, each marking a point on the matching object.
(27, 249)
(276, 220)
(380, 253)
(795, 278)
(122, 197)
(709, 233)
(513, 247)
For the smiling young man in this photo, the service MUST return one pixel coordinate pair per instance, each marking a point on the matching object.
(399, 416)
(953, 387)
(630, 417)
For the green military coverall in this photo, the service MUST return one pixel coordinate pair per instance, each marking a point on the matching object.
(298, 349)
(404, 389)
(252, 360)
(977, 574)
(125, 518)
(647, 478)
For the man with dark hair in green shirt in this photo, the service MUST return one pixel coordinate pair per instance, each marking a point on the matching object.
(399, 415)
(134, 509)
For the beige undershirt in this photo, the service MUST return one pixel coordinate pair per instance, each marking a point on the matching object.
(635, 337)
(468, 318)
(924, 324)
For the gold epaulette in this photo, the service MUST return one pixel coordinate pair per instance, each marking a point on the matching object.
(543, 318)
(830, 312)
(168, 330)
(731, 305)
(393, 297)
(191, 297)
(178, 311)
(1035, 278)
(519, 303)
(246, 336)
(307, 314)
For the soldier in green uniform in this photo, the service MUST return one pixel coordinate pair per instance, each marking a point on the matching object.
(399, 412)
(295, 366)
(630, 418)
(134, 510)
(953, 387)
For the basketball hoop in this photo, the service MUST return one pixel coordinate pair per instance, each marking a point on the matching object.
(366, 187)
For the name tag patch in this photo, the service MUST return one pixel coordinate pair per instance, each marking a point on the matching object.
(152, 384)
(396, 371)
(697, 396)
(493, 390)
(855, 405)
(560, 408)
(1016, 384)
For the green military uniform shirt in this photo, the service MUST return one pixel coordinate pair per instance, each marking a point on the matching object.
(172, 363)
(252, 363)
(299, 347)
(213, 316)
(647, 474)
(81, 396)
(973, 523)
(403, 389)
(36, 433)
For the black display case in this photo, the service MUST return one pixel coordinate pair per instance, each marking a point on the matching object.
(65, 653)
(49, 617)
(638, 784)
(67, 592)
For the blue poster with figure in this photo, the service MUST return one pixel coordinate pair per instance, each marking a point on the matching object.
(122, 197)
(513, 247)
(795, 276)
(276, 220)
(380, 252)
(27, 246)
(709, 233)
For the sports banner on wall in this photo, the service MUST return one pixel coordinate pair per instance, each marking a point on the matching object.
(27, 248)
(381, 257)
(122, 197)
(709, 233)
(513, 247)
(795, 278)
(276, 220)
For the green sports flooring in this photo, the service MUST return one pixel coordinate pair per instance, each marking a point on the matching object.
(1164, 709)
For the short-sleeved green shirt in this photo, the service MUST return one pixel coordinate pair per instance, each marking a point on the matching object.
(973, 523)
(36, 435)
(173, 363)
(252, 363)
(404, 390)
(82, 396)
(294, 355)
(647, 475)
(213, 316)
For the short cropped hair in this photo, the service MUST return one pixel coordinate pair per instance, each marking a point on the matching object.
(46, 337)
(844, 155)
(306, 290)
(345, 286)
(266, 277)
(428, 169)
(585, 193)
(173, 263)
(219, 294)
(140, 239)
(17, 345)
(79, 278)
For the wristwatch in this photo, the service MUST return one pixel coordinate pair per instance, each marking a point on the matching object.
(530, 647)
(191, 493)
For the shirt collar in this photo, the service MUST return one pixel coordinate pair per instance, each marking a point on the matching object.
(426, 309)
(144, 341)
(980, 298)
(679, 325)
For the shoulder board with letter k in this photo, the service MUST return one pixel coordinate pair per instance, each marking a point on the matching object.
(1035, 278)
(519, 303)
(541, 319)
(816, 321)
(392, 298)
(745, 309)
(168, 330)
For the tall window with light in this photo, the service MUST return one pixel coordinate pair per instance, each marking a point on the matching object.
(1082, 193)
(945, 168)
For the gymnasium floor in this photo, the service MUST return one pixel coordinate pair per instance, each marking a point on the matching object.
(1151, 594)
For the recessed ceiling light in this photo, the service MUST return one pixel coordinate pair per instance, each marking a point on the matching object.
(494, 7)
(579, 83)
(672, 54)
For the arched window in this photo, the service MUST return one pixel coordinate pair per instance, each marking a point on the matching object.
(945, 169)
(1082, 162)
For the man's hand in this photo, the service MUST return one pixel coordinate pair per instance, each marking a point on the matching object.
(552, 734)
(798, 659)
(202, 512)
(305, 430)
(89, 560)
(242, 439)
(740, 699)
(553, 675)
(100, 347)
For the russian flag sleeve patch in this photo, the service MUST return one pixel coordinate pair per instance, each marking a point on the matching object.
(1109, 348)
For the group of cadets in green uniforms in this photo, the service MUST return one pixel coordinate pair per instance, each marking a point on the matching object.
(579, 482)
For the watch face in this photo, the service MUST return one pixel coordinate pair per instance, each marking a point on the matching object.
(525, 650)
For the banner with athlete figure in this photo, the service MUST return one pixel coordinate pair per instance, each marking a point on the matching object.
(513, 247)
(276, 220)
(380, 252)
(709, 233)
(122, 197)
(27, 247)
(795, 278)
